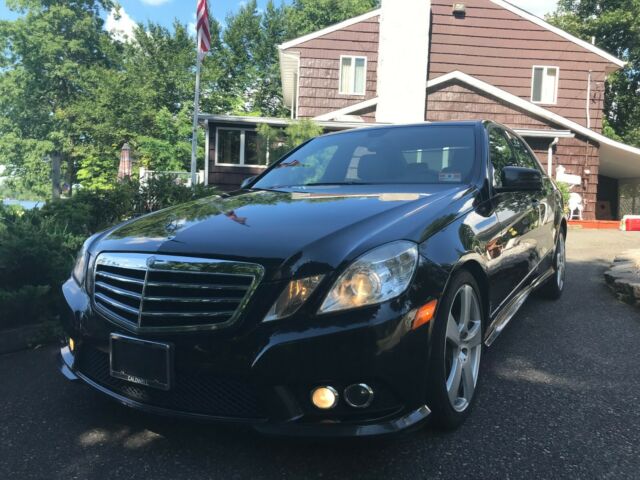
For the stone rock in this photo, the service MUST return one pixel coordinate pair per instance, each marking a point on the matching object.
(623, 277)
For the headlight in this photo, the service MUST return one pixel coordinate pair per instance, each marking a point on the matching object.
(80, 268)
(293, 297)
(382, 274)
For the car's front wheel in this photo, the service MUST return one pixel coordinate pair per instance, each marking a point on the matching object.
(457, 349)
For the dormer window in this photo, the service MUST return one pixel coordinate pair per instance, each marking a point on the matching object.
(353, 75)
(544, 85)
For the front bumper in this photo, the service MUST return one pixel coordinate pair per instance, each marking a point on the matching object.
(262, 374)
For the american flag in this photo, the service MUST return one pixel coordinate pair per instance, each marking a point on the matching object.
(204, 34)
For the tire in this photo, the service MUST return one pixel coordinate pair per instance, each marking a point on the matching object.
(554, 286)
(454, 366)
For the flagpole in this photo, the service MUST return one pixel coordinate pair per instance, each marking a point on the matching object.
(196, 107)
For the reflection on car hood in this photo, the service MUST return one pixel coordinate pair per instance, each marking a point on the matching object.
(313, 231)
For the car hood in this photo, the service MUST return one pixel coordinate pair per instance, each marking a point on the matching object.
(288, 232)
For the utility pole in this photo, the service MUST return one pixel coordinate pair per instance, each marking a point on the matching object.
(196, 108)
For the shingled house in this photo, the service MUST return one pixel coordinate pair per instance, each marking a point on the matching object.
(421, 60)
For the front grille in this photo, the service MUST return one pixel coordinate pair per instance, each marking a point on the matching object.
(147, 293)
(193, 391)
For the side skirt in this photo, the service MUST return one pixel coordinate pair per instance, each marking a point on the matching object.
(511, 308)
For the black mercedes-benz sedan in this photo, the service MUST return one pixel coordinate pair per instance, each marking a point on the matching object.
(349, 290)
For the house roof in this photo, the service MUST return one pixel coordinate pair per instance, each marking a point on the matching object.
(330, 29)
(249, 121)
(501, 3)
(356, 107)
(617, 159)
(540, 22)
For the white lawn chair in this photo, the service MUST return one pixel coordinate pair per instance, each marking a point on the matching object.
(575, 204)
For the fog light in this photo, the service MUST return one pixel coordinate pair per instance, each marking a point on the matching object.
(72, 344)
(324, 398)
(359, 395)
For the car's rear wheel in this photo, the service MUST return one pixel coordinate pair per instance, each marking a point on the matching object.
(554, 286)
(457, 350)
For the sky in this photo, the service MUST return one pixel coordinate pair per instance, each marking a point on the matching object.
(165, 11)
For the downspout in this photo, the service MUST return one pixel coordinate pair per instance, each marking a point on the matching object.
(550, 156)
(589, 100)
(294, 100)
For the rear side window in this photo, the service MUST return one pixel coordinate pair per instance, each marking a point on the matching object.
(500, 152)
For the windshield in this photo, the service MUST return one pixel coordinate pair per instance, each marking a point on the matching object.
(405, 155)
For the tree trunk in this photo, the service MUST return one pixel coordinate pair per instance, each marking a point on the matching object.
(70, 174)
(55, 175)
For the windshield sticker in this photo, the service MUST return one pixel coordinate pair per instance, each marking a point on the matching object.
(450, 177)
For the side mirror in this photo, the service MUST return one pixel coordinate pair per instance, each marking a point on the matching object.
(519, 179)
(247, 181)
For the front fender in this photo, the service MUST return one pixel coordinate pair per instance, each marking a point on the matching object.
(470, 239)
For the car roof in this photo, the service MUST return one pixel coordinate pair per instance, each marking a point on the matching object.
(457, 123)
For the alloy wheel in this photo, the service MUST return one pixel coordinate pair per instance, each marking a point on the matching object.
(463, 347)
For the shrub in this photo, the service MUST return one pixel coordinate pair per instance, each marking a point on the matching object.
(28, 302)
(281, 141)
(565, 189)
(38, 247)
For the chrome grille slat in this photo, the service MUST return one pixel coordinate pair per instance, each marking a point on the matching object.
(195, 286)
(157, 293)
(147, 298)
(119, 291)
(115, 303)
(188, 315)
(120, 278)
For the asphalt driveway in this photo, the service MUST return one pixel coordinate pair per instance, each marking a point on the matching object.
(559, 400)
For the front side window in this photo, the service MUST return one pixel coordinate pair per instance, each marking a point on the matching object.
(353, 75)
(380, 156)
(500, 152)
(240, 147)
(522, 154)
(544, 85)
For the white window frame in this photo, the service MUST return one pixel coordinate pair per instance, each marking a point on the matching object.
(242, 147)
(353, 82)
(544, 75)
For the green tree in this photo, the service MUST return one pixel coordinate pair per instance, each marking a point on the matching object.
(69, 89)
(46, 56)
(273, 32)
(306, 16)
(615, 25)
(242, 75)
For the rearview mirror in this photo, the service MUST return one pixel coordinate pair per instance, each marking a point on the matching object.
(247, 181)
(516, 179)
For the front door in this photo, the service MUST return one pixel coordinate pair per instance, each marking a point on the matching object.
(519, 214)
(545, 200)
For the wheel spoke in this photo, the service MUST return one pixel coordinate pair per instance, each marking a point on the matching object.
(474, 337)
(453, 331)
(453, 382)
(468, 385)
(466, 297)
